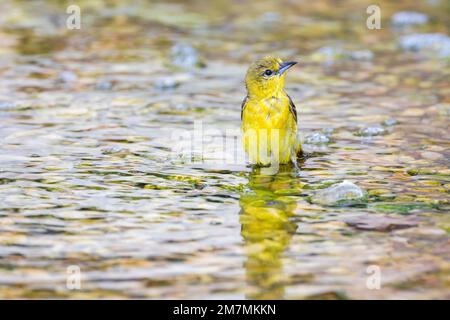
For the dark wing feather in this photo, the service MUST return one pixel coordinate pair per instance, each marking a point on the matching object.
(243, 105)
(292, 108)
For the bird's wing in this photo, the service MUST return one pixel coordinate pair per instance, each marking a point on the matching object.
(243, 105)
(292, 109)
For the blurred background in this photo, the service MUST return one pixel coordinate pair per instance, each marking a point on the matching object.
(86, 170)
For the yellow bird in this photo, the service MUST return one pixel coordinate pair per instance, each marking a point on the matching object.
(269, 117)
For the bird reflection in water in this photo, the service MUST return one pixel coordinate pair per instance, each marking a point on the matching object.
(267, 228)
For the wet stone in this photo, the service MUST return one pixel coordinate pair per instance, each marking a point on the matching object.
(185, 56)
(269, 19)
(431, 155)
(328, 131)
(7, 105)
(166, 83)
(372, 131)
(181, 107)
(390, 122)
(408, 18)
(104, 85)
(328, 55)
(437, 43)
(317, 138)
(380, 223)
(333, 54)
(345, 193)
(67, 77)
(360, 55)
(115, 150)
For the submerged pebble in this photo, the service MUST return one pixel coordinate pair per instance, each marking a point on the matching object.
(7, 105)
(332, 54)
(327, 55)
(345, 193)
(115, 150)
(408, 18)
(67, 77)
(269, 19)
(431, 155)
(317, 138)
(372, 131)
(380, 223)
(166, 83)
(437, 43)
(360, 55)
(390, 122)
(104, 85)
(185, 56)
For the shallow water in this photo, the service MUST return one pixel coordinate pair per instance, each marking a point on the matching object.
(87, 175)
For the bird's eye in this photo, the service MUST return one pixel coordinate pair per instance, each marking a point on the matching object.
(268, 72)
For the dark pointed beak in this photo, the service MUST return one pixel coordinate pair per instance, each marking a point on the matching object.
(284, 66)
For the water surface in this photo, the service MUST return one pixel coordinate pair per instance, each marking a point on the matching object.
(87, 175)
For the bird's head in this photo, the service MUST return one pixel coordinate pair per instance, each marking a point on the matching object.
(265, 77)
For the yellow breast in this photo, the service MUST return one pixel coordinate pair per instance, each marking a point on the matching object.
(269, 130)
